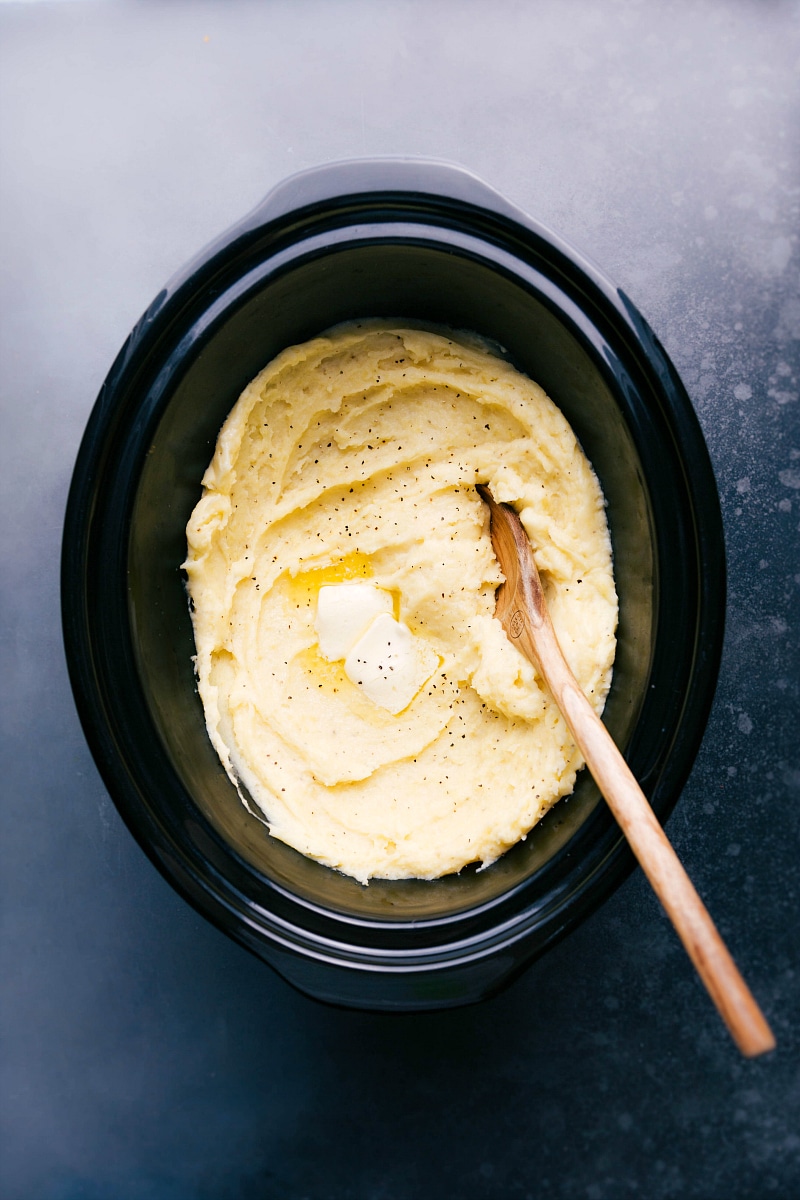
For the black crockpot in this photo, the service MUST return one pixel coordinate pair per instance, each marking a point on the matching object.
(431, 243)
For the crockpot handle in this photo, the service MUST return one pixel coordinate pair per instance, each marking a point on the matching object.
(354, 176)
(348, 178)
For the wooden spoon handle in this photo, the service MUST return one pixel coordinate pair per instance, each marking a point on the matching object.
(522, 610)
(658, 860)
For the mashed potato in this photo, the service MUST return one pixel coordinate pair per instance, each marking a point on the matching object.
(354, 457)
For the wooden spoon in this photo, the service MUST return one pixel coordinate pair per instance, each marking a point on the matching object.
(522, 611)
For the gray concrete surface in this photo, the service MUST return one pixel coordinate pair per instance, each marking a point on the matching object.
(144, 1055)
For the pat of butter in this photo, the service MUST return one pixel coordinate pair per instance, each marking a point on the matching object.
(344, 611)
(389, 664)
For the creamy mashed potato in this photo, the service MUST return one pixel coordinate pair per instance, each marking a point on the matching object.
(354, 457)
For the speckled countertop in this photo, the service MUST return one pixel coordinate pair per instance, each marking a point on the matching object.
(144, 1055)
